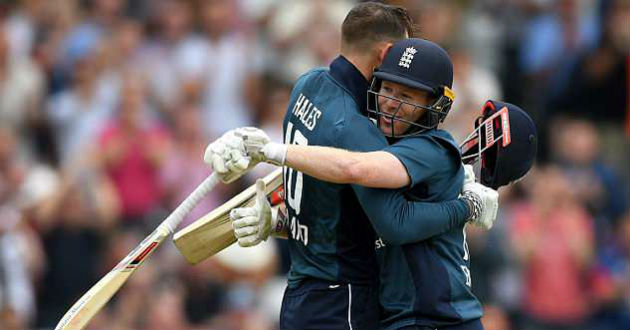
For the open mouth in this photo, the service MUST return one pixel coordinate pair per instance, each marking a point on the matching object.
(386, 120)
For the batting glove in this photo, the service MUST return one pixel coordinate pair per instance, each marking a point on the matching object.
(483, 203)
(259, 147)
(253, 225)
(227, 157)
(469, 174)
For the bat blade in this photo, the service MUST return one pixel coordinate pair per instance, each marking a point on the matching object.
(213, 232)
(94, 299)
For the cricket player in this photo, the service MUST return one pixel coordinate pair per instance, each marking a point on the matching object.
(426, 283)
(333, 276)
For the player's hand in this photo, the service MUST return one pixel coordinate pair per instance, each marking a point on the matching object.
(484, 204)
(253, 225)
(227, 157)
(259, 147)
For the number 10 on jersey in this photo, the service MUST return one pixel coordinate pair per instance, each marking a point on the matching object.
(293, 181)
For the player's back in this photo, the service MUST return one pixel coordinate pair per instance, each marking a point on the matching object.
(330, 237)
(428, 283)
(333, 263)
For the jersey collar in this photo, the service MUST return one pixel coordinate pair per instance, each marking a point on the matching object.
(351, 78)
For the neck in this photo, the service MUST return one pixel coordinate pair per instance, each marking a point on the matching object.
(365, 64)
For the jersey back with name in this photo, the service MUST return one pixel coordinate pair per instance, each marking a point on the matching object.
(330, 237)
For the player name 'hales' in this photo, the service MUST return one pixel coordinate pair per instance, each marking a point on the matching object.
(306, 112)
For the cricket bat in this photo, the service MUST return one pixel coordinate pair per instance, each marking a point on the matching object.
(213, 232)
(92, 301)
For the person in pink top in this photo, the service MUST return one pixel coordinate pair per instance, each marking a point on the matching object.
(553, 238)
(134, 148)
(183, 170)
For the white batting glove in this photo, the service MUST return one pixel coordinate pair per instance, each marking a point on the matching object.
(484, 204)
(469, 174)
(259, 147)
(253, 225)
(227, 157)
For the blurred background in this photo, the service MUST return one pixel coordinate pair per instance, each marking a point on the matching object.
(106, 107)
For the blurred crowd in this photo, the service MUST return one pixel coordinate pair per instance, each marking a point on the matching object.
(106, 107)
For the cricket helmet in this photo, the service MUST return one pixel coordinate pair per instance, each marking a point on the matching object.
(419, 64)
(505, 140)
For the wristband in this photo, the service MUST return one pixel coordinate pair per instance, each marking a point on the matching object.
(275, 153)
(474, 205)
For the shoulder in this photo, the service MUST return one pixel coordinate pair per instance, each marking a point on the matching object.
(320, 87)
(445, 142)
(328, 88)
(310, 75)
(433, 146)
(419, 144)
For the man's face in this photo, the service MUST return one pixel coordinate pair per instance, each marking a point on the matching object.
(389, 103)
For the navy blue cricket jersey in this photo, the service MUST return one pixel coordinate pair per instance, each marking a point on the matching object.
(428, 283)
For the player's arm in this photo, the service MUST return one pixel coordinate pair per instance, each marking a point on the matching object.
(403, 222)
(399, 221)
(371, 169)
(377, 169)
(395, 218)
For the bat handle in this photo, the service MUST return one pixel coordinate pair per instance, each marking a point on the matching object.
(173, 220)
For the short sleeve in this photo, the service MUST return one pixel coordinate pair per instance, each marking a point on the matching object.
(421, 156)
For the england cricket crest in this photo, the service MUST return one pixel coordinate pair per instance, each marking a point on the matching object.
(407, 57)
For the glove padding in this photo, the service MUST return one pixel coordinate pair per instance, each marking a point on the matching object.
(253, 225)
(239, 150)
(485, 203)
(258, 146)
(227, 157)
(469, 174)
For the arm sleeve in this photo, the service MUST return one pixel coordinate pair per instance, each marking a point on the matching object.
(399, 221)
(419, 155)
(395, 219)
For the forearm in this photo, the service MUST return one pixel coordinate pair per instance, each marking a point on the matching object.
(399, 221)
(324, 163)
(370, 169)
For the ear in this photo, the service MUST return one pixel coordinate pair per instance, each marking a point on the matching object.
(382, 51)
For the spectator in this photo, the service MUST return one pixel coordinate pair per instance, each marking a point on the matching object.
(473, 86)
(188, 147)
(21, 85)
(277, 93)
(563, 27)
(169, 313)
(597, 85)
(611, 290)
(552, 237)
(17, 298)
(169, 50)
(576, 148)
(230, 79)
(21, 25)
(134, 147)
(73, 229)
(302, 33)
(79, 113)
(102, 16)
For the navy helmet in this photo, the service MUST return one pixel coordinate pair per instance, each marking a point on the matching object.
(420, 64)
(505, 140)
